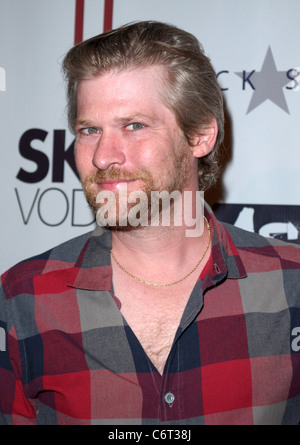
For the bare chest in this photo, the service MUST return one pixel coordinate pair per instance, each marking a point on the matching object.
(154, 317)
(156, 333)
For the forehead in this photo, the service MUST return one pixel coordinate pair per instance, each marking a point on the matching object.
(142, 84)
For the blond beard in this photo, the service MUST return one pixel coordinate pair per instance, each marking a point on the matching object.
(178, 171)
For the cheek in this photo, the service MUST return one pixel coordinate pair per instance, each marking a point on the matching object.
(154, 154)
(84, 161)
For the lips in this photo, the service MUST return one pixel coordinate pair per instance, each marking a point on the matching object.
(114, 184)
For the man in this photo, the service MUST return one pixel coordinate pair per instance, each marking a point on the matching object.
(143, 322)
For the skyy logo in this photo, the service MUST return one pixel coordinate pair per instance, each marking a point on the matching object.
(38, 202)
(271, 221)
(269, 83)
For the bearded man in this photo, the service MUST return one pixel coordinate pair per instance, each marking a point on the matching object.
(139, 323)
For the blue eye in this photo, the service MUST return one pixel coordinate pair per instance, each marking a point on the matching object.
(90, 130)
(136, 126)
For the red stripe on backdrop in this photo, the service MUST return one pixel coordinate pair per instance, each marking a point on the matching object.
(79, 12)
(79, 16)
(108, 15)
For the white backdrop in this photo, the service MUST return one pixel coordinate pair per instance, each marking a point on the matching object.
(254, 47)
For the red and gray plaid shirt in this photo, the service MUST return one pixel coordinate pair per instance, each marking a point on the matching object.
(70, 357)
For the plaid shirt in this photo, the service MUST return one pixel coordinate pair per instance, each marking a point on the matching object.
(71, 358)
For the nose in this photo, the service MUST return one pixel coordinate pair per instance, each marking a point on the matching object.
(109, 152)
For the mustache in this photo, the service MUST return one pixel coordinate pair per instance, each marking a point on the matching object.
(115, 174)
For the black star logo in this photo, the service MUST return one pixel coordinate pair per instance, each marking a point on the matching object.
(268, 84)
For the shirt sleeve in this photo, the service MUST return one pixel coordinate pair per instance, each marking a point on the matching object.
(15, 407)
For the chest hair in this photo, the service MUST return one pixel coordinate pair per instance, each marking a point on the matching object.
(154, 317)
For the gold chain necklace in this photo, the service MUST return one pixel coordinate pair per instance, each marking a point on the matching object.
(174, 282)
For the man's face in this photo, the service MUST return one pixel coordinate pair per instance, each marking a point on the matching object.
(125, 135)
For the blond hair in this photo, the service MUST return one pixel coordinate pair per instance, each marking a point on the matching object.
(191, 88)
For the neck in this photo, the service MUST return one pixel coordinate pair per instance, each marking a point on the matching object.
(160, 256)
(149, 240)
(184, 226)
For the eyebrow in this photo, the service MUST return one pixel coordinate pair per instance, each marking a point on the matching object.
(137, 117)
(84, 123)
(123, 120)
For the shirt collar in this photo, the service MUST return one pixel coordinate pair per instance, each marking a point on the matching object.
(226, 260)
(93, 266)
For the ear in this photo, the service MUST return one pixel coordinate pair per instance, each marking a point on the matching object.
(203, 142)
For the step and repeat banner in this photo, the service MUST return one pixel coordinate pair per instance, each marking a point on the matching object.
(255, 49)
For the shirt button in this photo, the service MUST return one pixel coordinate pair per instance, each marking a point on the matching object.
(169, 398)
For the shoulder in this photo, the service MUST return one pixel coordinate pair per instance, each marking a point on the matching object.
(243, 239)
(59, 258)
